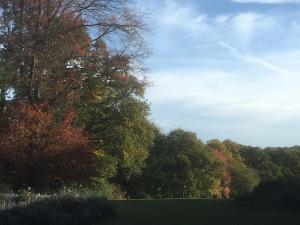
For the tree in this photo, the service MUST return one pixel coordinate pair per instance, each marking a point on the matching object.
(243, 179)
(233, 148)
(114, 111)
(37, 152)
(44, 43)
(238, 179)
(181, 166)
(273, 163)
(282, 194)
(262, 162)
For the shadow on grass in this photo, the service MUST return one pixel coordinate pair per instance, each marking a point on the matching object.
(60, 211)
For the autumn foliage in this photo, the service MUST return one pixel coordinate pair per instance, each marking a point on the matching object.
(37, 149)
(238, 179)
(225, 189)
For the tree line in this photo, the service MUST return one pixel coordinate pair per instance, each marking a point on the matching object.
(182, 166)
(73, 111)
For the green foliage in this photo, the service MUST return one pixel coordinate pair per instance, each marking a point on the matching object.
(243, 179)
(103, 188)
(181, 166)
(115, 113)
(229, 148)
(283, 194)
(234, 148)
(99, 187)
(273, 163)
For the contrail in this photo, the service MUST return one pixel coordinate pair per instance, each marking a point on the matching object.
(252, 59)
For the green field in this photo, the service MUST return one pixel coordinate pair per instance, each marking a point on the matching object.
(196, 212)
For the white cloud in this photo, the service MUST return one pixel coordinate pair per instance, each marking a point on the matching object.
(183, 17)
(258, 108)
(241, 27)
(267, 1)
(245, 23)
(223, 94)
(248, 24)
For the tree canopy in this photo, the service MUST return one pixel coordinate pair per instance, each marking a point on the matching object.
(180, 166)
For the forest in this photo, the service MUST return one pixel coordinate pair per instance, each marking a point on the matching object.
(74, 116)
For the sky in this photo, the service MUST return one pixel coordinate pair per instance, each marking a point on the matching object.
(226, 69)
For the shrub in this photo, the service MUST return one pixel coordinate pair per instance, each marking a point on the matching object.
(99, 187)
(274, 194)
(60, 211)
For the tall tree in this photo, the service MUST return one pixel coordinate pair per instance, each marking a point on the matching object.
(181, 166)
(62, 52)
(44, 42)
(115, 112)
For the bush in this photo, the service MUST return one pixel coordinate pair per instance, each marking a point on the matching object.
(274, 194)
(99, 187)
(60, 211)
(102, 187)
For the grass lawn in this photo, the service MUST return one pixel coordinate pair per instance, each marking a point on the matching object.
(196, 212)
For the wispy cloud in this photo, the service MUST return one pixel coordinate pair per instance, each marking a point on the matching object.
(241, 27)
(223, 93)
(253, 59)
(268, 1)
(183, 16)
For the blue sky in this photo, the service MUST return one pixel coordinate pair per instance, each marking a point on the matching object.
(226, 68)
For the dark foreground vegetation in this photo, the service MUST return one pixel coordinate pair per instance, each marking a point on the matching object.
(197, 212)
(273, 195)
(58, 211)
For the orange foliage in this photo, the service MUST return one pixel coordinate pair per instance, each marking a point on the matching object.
(37, 151)
(221, 156)
(226, 181)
